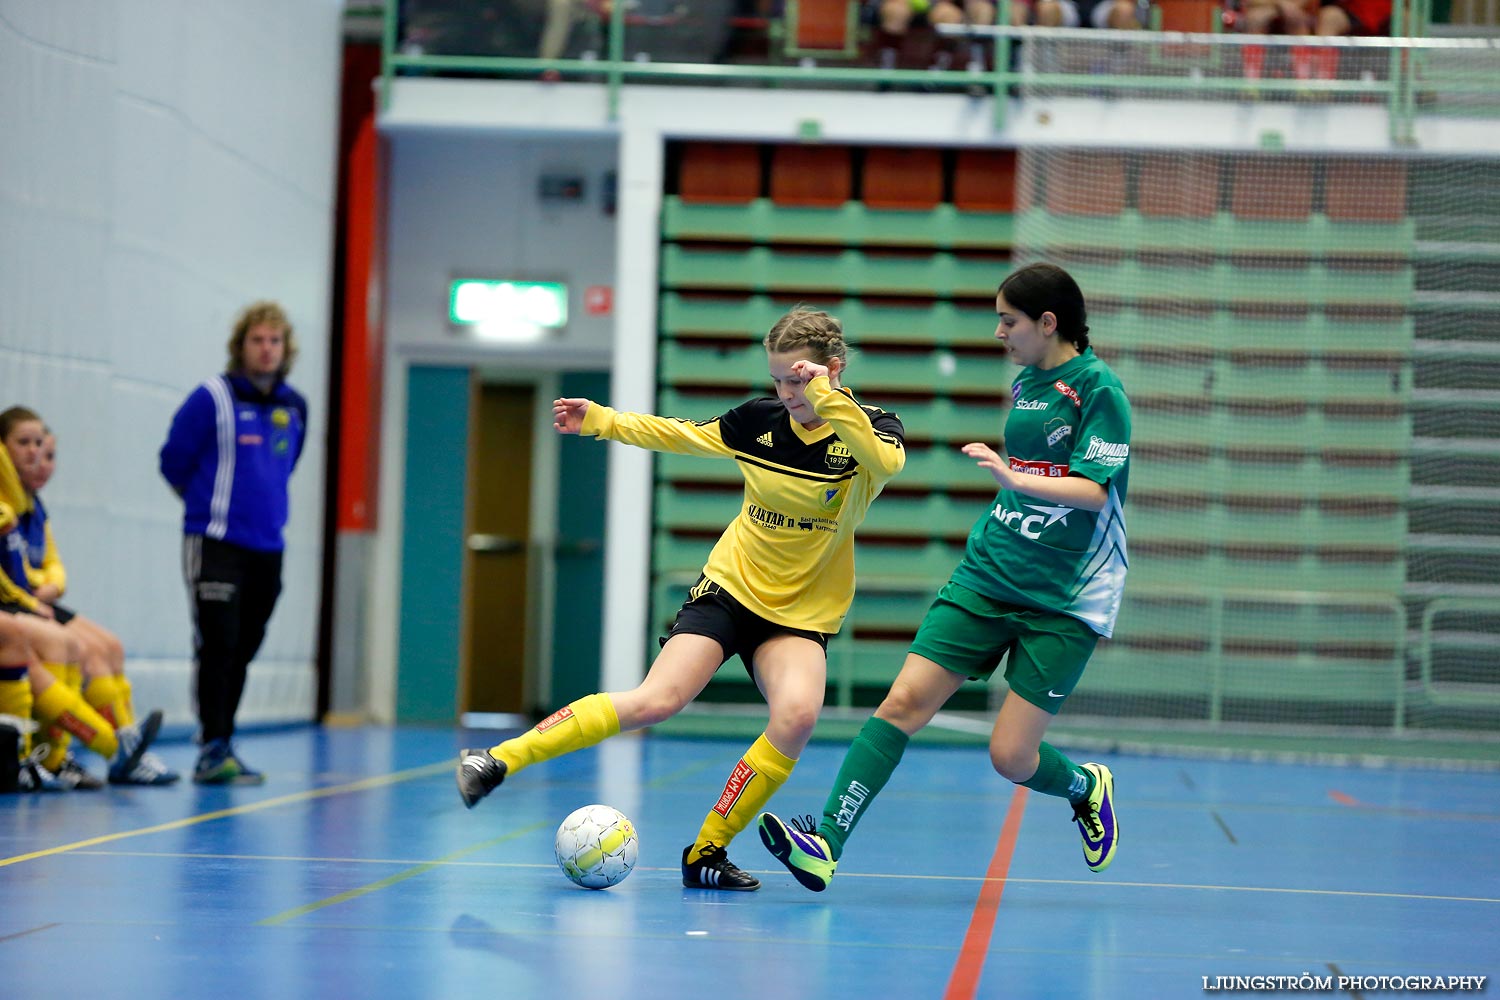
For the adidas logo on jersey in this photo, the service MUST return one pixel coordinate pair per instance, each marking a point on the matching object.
(764, 439)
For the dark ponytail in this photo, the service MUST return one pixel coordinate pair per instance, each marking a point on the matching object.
(1039, 288)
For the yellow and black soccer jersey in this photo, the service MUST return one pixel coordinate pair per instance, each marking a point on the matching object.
(14, 502)
(789, 554)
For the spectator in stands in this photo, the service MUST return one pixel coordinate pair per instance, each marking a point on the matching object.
(510, 28)
(32, 450)
(1275, 17)
(777, 584)
(1363, 18)
(229, 455)
(897, 18)
(1307, 17)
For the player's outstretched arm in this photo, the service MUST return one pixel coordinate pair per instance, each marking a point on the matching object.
(567, 415)
(1075, 490)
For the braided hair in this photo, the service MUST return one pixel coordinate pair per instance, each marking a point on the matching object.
(818, 333)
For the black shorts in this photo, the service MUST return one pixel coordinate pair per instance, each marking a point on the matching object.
(713, 612)
(60, 614)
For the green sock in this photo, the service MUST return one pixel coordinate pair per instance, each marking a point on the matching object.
(1057, 775)
(868, 765)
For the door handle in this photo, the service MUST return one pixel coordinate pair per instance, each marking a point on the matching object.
(495, 544)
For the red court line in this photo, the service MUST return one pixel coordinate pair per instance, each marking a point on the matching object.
(965, 978)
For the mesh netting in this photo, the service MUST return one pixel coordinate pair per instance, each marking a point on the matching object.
(1310, 345)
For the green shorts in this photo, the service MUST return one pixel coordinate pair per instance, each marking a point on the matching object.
(968, 633)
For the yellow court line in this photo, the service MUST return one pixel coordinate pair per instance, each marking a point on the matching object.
(391, 880)
(364, 784)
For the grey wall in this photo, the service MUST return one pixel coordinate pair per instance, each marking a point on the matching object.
(162, 164)
(465, 204)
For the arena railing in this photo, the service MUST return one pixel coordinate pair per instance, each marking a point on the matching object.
(1410, 76)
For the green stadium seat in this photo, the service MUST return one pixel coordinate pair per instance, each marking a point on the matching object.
(841, 272)
(850, 224)
(1269, 376)
(748, 318)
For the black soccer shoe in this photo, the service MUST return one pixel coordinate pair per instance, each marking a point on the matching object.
(712, 869)
(477, 774)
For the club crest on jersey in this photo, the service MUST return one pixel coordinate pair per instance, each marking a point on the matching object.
(838, 455)
(1058, 432)
(280, 417)
(831, 497)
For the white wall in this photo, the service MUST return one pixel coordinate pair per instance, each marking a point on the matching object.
(463, 202)
(162, 164)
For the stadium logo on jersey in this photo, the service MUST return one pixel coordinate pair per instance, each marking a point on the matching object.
(1032, 404)
(247, 414)
(1109, 453)
(838, 455)
(1031, 525)
(764, 439)
(831, 497)
(1067, 390)
(1058, 432)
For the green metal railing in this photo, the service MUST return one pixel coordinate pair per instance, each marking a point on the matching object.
(1414, 71)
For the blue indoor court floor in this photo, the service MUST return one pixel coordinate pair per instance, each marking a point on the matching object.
(356, 872)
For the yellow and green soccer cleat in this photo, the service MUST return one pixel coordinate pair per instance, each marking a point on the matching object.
(798, 846)
(1095, 817)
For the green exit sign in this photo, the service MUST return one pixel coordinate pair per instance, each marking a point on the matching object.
(508, 310)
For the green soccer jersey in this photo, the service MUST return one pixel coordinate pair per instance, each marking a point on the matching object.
(1073, 420)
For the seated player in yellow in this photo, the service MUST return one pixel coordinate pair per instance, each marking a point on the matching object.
(86, 657)
(777, 584)
(36, 655)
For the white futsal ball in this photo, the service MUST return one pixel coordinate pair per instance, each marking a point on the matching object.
(596, 846)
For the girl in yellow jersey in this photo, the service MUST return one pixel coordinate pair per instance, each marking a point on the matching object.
(87, 658)
(777, 584)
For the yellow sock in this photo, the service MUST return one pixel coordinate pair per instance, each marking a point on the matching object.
(751, 784)
(65, 708)
(125, 707)
(110, 695)
(583, 723)
(15, 699)
(58, 739)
